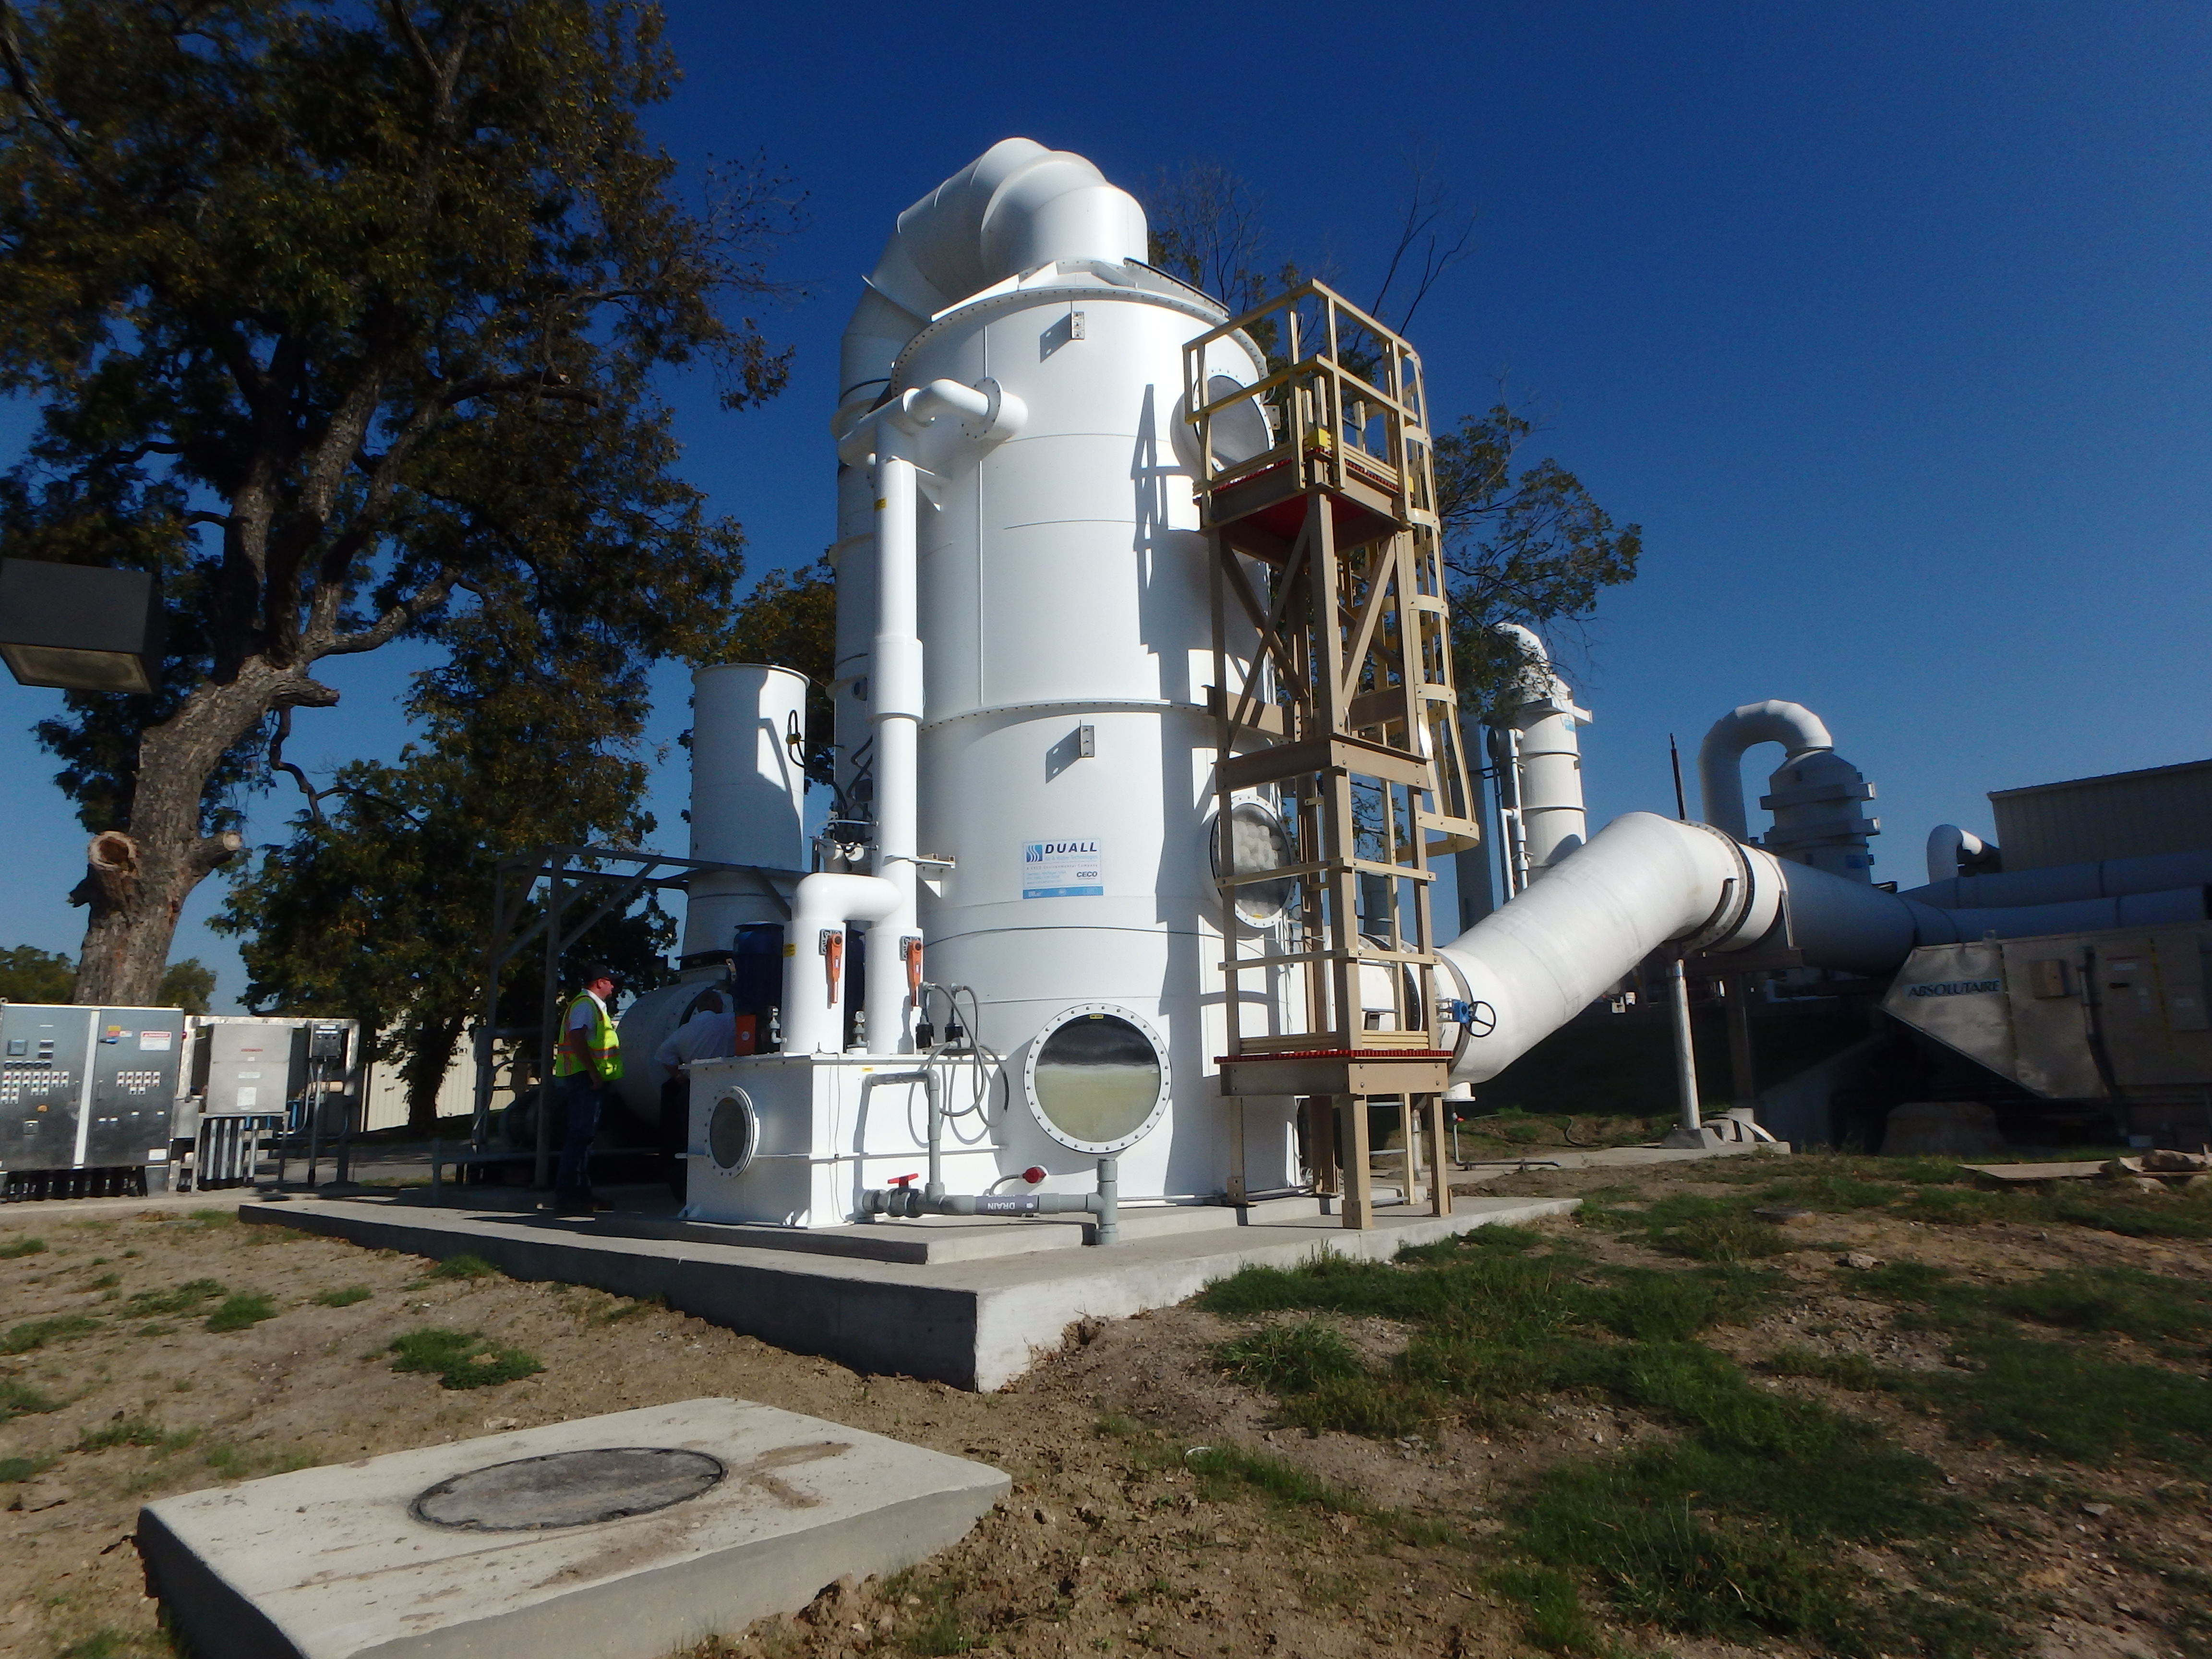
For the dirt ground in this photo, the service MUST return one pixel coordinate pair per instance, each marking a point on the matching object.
(115, 1390)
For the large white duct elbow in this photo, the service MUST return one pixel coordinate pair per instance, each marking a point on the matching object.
(1720, 757)
(1814, 793)
(1017, 206)
(1640, 882)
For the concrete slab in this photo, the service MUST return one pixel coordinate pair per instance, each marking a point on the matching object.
(2013, 1175)
(974, 1323)
(1602, 1158)
(734, 1511)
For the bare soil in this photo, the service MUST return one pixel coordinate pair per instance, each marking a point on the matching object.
(1109, 1543)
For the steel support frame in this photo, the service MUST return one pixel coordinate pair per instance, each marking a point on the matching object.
(567, 868)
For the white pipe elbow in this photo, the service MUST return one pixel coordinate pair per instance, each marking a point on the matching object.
(1948, 848)
(1720, 757)
(814, 964)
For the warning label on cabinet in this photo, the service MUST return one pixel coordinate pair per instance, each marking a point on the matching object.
(1062, 869)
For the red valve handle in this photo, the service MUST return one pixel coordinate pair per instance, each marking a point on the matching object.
(905, 1180)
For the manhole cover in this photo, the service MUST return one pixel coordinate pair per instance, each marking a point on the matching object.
(568, 1489)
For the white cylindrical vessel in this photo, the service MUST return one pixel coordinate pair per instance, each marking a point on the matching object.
(747, 795)
(1066, 750)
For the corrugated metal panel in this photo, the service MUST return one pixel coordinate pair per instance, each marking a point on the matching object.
(457, 1092)
(2164, 809)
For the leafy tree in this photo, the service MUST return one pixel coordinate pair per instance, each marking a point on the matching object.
(373, 295)
(30, 975)
(377, 906)
(188, 985)
(1524, 542)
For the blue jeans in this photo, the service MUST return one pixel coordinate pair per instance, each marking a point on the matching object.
(580, 1100)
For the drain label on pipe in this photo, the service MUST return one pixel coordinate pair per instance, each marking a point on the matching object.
(1063, 869)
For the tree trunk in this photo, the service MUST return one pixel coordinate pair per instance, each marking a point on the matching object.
(430, 1057)
(136, 880)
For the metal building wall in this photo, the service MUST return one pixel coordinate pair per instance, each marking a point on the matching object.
(2164, 809)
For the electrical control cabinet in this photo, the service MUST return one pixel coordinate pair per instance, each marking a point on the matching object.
(87, 1088)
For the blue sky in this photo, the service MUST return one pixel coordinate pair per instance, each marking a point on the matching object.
(1888, 322)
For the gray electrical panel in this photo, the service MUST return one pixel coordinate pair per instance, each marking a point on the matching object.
(86, 1088)
(246, 1064)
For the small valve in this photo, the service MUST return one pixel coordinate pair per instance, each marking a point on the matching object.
(905, 1180)
(1034, 1173)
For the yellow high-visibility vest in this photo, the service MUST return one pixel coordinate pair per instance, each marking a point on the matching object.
(599, 1052)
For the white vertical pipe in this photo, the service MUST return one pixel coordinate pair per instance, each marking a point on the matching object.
(895, 709)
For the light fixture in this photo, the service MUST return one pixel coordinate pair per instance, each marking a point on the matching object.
(80, 627)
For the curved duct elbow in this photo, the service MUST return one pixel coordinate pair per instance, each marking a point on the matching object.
(1814, 794)
(1017, 206)
(1952, 852)
(1720, 757)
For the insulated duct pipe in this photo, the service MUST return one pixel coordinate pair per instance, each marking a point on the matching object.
(1644, 882)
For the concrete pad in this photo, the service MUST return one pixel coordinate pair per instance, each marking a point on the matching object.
(975, 1324)
(721, 1512)
(2028, 1173)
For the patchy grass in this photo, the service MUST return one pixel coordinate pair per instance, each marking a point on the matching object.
(186, 1298)
(343, 1298)
(38, 1333)
(241, 1311)
(1732, 1525)
(1720, 1230)
(16, 1249)
(13, 1469)
(461, 1359)
(464, 1266)
(134, 1431)
(19, 1399)
(214, 1218)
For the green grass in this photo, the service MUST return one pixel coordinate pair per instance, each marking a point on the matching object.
(13, 1469)
(18, 1399)
(16, 1248)
(1734, 1524)
(185, 1298)
(215, 1218)
(464, 1266)
(134, 1431)
(461, 1359)
(1701, 1229)
(343, 1298)
(241, 1311)
(1550, 1602)
(38, 1332)
(2068, 1400)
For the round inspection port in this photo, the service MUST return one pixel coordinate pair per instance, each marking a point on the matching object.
(568, 1489)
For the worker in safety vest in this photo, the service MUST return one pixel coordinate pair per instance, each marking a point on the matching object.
(587, 1059)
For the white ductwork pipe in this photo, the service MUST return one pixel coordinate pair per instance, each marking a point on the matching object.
(1546, 756)
(1017, 206)
(2154, 873)
(1813, 794)
(1951, 849)
(1645, 882)
(896, 442)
